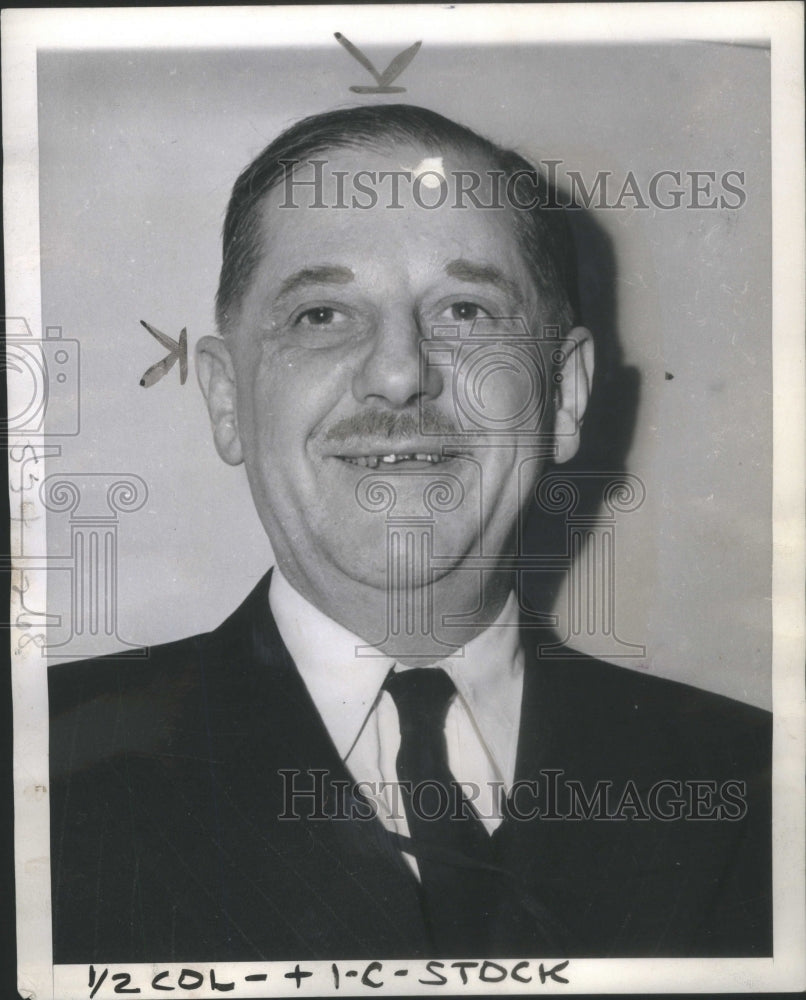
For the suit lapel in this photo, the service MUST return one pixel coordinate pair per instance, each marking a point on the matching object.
(331, 885)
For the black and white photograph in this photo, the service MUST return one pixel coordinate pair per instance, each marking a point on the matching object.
(406, 475)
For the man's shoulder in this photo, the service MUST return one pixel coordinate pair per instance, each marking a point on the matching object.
(130, 670)
(638, 709)
(629, 687)
(141, 667)
(149, 696)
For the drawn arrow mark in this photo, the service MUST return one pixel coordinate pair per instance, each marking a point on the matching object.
(384, 79)
(179, 352)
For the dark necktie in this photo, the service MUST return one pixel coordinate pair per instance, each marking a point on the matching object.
(453, 850)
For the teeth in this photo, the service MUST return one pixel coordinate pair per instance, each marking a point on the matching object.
(373, 461)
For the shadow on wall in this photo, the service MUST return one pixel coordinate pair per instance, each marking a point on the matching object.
(610, 419)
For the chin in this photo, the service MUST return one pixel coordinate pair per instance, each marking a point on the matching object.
(401, 558)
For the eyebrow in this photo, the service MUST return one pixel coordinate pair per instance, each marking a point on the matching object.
(461, 269)
(325, 275)
(481, 274)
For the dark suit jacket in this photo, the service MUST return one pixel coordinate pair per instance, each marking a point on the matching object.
(167, 846)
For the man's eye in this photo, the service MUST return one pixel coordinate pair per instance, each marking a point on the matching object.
(465, 312)
(320, 316)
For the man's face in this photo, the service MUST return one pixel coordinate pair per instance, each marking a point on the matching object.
(354, 395)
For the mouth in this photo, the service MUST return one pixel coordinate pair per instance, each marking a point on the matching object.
(403, 457)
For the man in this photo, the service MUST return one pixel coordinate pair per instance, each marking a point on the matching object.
(369, 758)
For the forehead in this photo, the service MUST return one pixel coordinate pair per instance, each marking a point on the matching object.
(404, 202)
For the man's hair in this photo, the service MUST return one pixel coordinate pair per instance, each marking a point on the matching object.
(542, 231)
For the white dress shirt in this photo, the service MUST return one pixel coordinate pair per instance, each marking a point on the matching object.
(481, 728)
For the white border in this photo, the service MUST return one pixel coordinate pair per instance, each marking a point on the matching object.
(483, 24)
(25, 31)
(28, 678)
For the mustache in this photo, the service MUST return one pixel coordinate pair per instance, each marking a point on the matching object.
(382, 424)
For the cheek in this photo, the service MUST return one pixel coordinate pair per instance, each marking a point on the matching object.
(502, 389)
(261, 404)
(290, 392)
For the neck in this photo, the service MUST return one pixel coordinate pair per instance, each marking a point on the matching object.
(415, 625)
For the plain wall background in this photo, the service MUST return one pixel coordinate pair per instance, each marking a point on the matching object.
(138, 153)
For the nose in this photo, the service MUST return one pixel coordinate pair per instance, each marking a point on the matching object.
(394, 373)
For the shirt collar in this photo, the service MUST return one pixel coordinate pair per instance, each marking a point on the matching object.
(343, 685)
(344, 675)
(488, 674)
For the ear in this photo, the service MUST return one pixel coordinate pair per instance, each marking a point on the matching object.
(572, 388)
(217, 380)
